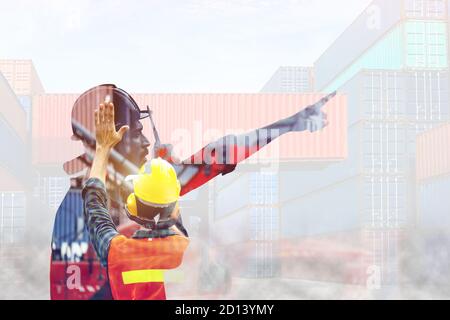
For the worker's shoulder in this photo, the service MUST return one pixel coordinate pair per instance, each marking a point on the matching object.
(160, 242)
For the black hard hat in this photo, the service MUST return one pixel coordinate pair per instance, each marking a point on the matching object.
(126, 110)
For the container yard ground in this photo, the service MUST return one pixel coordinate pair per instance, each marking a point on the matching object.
(295, 289)
(287, 289)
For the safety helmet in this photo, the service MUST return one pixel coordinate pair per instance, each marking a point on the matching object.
(156, 193)
(126, 109)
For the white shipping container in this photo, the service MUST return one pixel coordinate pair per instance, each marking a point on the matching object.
(398, 95)
(434, 203)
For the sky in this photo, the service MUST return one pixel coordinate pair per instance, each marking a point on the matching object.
(171, 46)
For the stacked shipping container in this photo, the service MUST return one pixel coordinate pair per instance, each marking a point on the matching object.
(14, 184)
(396, 81)
(24, 80)
(410, 45)
(382, 38)
(433, 178)
(289, 80)
(433, 206)
(246, 230)
(14, 172)
(190, 121)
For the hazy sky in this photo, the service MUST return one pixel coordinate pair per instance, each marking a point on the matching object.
(170, 45)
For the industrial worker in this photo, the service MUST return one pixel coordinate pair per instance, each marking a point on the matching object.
(135, 265)
(127, 156)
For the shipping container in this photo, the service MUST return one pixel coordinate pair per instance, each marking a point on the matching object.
(25, 102)
(434, 203)
(10, 182)
(246, 210)
(190, 121)
(394, 96)
(12, 218)
(374, 23)
(433, 153)
(426, 9)
(52, 129)
(11, 111)
(310, 215)
(14, 157)
(366, 200)
(290, 80)
(247, 189)
(50, 190)
(22, 76)
(304, 179)
(410, 45)
(376, 148)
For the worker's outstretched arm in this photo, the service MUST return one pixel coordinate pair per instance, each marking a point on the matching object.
(98, 221)
(233, 149)
(223, 155)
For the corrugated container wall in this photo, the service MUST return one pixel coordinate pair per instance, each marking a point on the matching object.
(433, 153)
(386, 111)
(367, 28)
(9, 182)
(411, 45)
(434, 203)
(189, 121)
(198, 117)
(52, 129)
(398, 96)
(385, 253)
(22, 77)
(309, 215)
(14, 157)
(426, 9)
(12, 136)
(290, 80)
(373, 24)
(11, 111)
(255, 201)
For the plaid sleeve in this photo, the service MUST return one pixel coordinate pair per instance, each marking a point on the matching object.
(96, 216)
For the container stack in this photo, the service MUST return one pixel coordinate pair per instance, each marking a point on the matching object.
(290, 80)
(24, 81)
(433, 207)
(15, 184)
(392, 63)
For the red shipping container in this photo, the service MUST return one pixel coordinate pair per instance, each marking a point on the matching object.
(190, 121)
(22, 77)
(433, 153)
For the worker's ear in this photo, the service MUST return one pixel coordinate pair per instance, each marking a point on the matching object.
(175, 213)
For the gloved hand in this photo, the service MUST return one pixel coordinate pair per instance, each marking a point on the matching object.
(312, 118)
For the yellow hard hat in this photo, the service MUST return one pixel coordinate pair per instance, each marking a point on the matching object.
(156, 188)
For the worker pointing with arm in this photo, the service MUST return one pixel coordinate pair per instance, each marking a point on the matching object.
(135, 265)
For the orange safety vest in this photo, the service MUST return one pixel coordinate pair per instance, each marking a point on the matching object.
(136, 266)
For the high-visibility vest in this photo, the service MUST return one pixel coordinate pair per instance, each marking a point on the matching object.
(136, 267)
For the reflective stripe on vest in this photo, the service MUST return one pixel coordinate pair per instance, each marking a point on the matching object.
(138, 268)
(142, 276)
